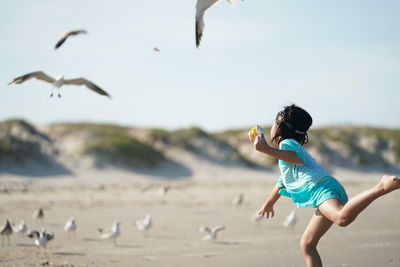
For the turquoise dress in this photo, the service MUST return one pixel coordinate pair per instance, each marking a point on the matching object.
(307, 184)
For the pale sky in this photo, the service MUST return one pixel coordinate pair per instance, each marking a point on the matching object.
(340, 60)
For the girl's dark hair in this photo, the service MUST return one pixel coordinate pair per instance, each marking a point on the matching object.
(293, 122)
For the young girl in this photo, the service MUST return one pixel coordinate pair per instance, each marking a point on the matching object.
(308, 184)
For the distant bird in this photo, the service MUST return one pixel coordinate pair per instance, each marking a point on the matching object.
(162, 189)
(70, 227)
(211, 233)
(38, 214)
(145, 224)
(237, 200)
(65, 36)
(112, 233)
(291, 219)
(156, 49)
(41, 238)
(21, 228)
(256, 218)
(201, 7)
(59, 81)
(5, 231)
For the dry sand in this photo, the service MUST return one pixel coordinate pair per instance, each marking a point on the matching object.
(97, 199)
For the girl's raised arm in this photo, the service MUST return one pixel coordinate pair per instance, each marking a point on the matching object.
(286, 155)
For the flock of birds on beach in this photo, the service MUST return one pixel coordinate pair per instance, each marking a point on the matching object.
(43, 236)
(58, 81)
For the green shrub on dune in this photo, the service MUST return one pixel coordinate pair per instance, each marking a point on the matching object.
(113, 144)
(119, 147)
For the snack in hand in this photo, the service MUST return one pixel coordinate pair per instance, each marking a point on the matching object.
(254, 132)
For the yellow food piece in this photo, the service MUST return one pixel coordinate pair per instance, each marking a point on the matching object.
(253, 133)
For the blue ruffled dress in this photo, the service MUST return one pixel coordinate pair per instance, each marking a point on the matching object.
(308, 184)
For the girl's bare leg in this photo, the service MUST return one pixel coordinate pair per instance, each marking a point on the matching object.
(343, 215)
(316, 228)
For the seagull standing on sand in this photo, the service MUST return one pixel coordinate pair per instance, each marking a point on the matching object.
(256, 217)
(59, 81)
(21, 228)
(5, 231)
(211, 233)
(38, 214)
(201, 7)
(291, 219)
(237, 200)
(145, 224)
(70, 227)
(112, 233)
(41, 238)
(65, 36)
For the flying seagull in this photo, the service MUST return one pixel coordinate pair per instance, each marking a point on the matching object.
(59, 81)
(65, 36)
(201, 7)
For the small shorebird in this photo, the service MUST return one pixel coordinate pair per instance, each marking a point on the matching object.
(41, 238)
(21, 228)
(256, 218)
(237, 200)
(5, 231)
(58, 82)
(112, 233)
(145, 224)
(38, 214)
(65, 36)
(291, 219)
(201, 7)
(211, 233)
(70, 227)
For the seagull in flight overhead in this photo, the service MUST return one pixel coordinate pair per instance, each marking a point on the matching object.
(65, 36)
(59, 81)
(201, 7)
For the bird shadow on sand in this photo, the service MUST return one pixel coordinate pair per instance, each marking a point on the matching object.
(25, 245)
(228, 243)
(69, 254)
(88, 239)
(128, 246)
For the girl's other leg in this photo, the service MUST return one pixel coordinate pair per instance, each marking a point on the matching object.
(343, 215)
(316, 228)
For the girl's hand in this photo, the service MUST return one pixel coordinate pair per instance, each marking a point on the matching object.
(267, 210)
(260, 144)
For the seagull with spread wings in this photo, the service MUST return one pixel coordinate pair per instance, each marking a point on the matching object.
(201, 7)
(59, 81)
(65, 36)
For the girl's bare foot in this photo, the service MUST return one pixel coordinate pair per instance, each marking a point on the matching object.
(389, 183)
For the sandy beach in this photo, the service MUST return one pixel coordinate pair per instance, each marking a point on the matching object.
(98, 199)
